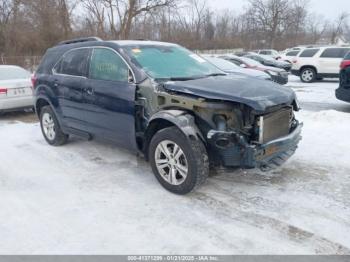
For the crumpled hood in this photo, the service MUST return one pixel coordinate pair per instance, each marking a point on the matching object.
(256, 93)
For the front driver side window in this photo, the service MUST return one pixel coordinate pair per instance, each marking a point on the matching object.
(107, 65)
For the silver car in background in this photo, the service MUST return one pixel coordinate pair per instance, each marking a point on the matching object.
(16, 91)
(231, 68)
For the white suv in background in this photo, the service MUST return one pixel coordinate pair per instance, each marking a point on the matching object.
(268, 52)
(316, 63)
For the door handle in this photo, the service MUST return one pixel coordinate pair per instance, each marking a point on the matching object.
(89, 91)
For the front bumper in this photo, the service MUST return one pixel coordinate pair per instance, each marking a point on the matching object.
(295, 72)
(263, 156)
(280, 79)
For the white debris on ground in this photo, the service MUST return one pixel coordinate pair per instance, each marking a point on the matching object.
(93, 198)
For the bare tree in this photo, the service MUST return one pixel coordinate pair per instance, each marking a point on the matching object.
(338, 26)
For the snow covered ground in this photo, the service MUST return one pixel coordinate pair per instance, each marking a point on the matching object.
(93, 198)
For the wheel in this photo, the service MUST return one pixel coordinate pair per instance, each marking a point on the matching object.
(308, 75)
(50, 127)
(179, 164)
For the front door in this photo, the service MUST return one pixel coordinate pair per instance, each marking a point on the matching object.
(109, 96)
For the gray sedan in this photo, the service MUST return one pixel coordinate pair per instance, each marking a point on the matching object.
(231, 68)
(16, 91)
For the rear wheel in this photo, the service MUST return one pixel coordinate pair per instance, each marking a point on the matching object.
(308, 75)
(50, 127)
(179, 164)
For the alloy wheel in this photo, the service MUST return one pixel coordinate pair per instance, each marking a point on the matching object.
(171, 162)
(48, 126)
(308, 75)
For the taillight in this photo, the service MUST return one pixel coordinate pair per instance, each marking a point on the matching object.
(33, 81)
(3, 91)
(345, 64)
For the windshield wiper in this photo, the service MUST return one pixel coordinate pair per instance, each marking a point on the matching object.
(178, 78)
(216, 74)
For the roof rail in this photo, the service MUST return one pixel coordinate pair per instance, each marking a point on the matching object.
(80, 40)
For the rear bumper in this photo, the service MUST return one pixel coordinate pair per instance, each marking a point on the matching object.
(13, 103)
(263, 156)
(343, 93)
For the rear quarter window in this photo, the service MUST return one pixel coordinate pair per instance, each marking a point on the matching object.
(347, 56)
(309, 53)
(334, 53)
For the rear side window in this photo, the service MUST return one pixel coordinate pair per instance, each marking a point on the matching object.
(334, 53)
(107, 65)
(265, 53)
(74, 63)
(309, 52)
(292, 53)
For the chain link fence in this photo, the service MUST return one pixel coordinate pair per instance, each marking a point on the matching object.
(28, 62)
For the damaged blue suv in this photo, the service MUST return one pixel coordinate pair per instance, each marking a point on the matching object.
(178, 110)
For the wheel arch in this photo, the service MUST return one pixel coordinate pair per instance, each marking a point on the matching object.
(40, 103)
(308, 66)
(184, 121)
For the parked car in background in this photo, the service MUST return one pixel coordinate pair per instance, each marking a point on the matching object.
(16, 91)
(343, 92)
(243, 53)
(268, 61)
(289, 56)
(268, 52)
(232, 68)
(278, 75)
(166, 103)
(316, 63)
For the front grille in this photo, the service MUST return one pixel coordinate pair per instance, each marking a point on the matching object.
(275, 125)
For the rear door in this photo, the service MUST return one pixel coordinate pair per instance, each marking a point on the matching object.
(330, 60)
(69, 75)
(110, 97)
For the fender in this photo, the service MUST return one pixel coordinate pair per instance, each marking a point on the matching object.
(182, 119)
(45, 93)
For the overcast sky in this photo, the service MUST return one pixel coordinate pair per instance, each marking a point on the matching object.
(330, 9)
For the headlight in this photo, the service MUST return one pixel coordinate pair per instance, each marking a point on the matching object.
(297, 104)
(273, 73)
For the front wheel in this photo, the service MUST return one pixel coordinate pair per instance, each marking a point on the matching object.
(308, 75)
(179, 164)
(50, 127)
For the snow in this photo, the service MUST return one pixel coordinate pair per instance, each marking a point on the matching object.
(94, 198)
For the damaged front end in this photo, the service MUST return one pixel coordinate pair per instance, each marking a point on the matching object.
(272, 140)
(255, 134)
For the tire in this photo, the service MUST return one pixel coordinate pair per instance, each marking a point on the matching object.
(308, 75)
(50, 127)
(191, 155)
